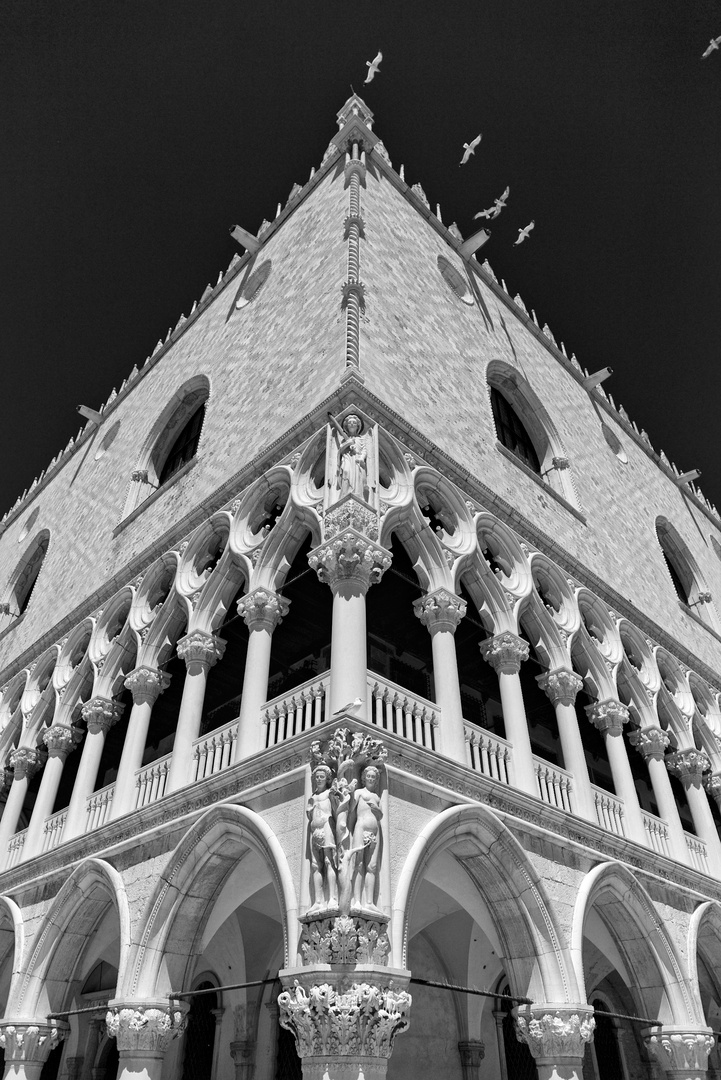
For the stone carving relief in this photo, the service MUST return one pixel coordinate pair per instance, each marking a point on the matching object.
(344, 940)
(150, 1029)
(681, 1051)
(555, 1035)
(30, 1042)
(363, 1021)
(344, 815)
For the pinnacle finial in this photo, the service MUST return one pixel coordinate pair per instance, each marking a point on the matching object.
(355, 108)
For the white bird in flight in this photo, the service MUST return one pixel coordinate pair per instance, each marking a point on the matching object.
(714, 44)
(470, 148)
(523, 233)
(373, 67)
(498, 205)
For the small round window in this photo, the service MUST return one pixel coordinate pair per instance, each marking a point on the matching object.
(715, 545)
(29, 522)
(615, 444)
(455, 280)
(254, 284)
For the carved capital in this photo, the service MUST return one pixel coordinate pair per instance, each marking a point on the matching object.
(146, 684)
(505, 652)
(651, 742)
(350, 561)
(350, 513)
(440, 611)
(242, 1052)
(472, 1052)
(101, 713)
(263, 610)
(608, 716)
(60, 739)
(688, 765)
(555, 1033)
(200, 648)
(561, 686)
(678, 1050)
(149, 1028)
(712, 783)
(26, 761)
(24, 1041)
(345, 939)
(362, 1021)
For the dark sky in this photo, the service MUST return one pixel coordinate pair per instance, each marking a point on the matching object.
(135, 132)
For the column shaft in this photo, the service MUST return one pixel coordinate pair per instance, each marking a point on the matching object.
(575, 761)
(262, 610)
(348, 651)
(189, 720)
(667, 807)
(704, 824)
(131, 758)
(516, 724)
(11, 815)
(84, 784)
(625, 785)
(140, 1065)
(44, 803)
(441, 612)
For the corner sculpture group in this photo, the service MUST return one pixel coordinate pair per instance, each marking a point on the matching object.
(344, 814)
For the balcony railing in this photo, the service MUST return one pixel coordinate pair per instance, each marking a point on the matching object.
(609, 811)
(53, 831)
(98, 807)
(397, 710)
(294, 713)
(150, 782)
(656, 833)
(15, 848)
(554, 784)
(487, 754)
(214, 752)
(697, 853)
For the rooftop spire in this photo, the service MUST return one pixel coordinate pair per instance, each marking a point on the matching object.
(355, 108)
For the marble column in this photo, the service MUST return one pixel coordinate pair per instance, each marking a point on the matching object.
(681, 1053)
(350, 563)
(651, 743)
(145, 684)
(609, 716)
(60, 739)
(690, 765)
(27, 1045)
(26, 761)
(505, 653)
(242, 1052)
(556, 1036)
(143, 1031)
(262, 611)
(562, 686)
(441, 612)
(99, 715)
(344, 1034)
(199, 651)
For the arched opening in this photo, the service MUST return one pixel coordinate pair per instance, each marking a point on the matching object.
(511, 431)
(184, 447)
(706, 953)
(683, 571)
(200, 1032)
(513, 1053)
(480, 695)
(22, 583)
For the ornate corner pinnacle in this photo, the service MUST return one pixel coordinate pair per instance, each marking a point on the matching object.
(440, 611)
(363, 1021)
(608, 716)
(353, 288)
(146, 684)
(357, 220)
(561, 686)
(651, 742)
(554, 1033)
(355, 167)
(60, 739)
(145, 1027)
(263, 610)
(688, 765)
(678, 1050)
(200, 648)
(350, 561)
(505, 652)
(25, 761)
(101, 713)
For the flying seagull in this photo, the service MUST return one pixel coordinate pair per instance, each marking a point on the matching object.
(523, 234)
(714, 44)
(470, 148)
(373, 67)
(498, 205)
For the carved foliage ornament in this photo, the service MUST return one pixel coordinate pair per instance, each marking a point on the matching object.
(149, 1029)
(30, 1042)
(440, 611)
(608, 716)
(350, 514)
(145, 684)
(26, 761)
(350, 559)
(101, 713)
(364, 1021)
(650, 742)
(555, 1035)
(263, 609)
(561, 686)
(681, 1050)
(345, 940)
(688, 765)
(61, 738)
(505, 652)
(200, 648)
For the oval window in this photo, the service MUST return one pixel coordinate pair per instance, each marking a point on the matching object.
(254, 284)
(455, 280)
(615, 444)
(29, 522)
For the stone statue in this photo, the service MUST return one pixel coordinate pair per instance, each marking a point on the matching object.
(353, 451)
(367, 814)
(321, 815)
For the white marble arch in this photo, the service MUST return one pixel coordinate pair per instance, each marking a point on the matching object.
(12, 947)
(94, 890)
(529, 942)
(653, 971)
(172, 930)
(704, 939)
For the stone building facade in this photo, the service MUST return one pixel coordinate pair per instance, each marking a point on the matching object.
(360, 682)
